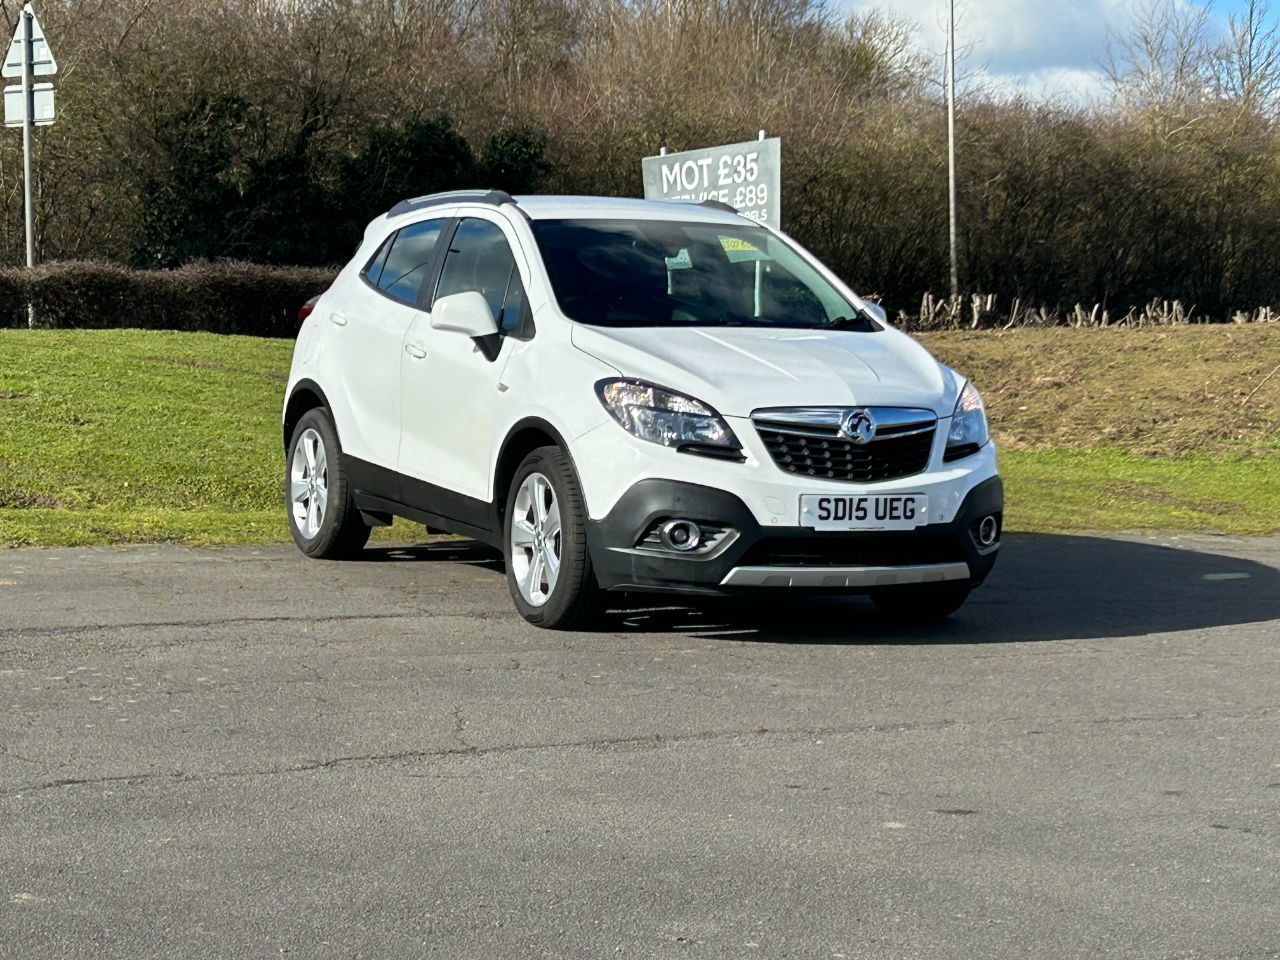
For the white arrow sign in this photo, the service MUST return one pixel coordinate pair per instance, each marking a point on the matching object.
(42, 62)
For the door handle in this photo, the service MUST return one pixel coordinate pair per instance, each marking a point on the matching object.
(415, 350)
(339, 318)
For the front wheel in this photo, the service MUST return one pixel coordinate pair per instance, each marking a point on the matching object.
(545, 527)
(922, 603)
(323, 517)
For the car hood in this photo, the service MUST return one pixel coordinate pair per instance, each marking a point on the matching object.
(740, 369)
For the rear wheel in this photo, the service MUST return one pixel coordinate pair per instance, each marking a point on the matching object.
(323, 517)
(548, 564)
(922, 603)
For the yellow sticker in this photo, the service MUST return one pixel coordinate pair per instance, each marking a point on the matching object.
(737, 245)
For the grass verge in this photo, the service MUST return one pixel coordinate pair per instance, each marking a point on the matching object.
(125, 436)
(1172, 428)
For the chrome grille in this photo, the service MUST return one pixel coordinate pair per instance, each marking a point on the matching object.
(808, 441)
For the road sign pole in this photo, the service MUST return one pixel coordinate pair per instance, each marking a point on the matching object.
(951, 145)
(28, 56)
(28, 124)
(28, 99)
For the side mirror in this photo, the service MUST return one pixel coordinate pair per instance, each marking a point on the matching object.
(876, 311)
(467, 312)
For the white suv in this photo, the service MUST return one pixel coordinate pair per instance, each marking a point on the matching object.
(625, 395)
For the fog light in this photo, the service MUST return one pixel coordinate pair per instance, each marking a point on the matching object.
(682, 535)
(988, 531)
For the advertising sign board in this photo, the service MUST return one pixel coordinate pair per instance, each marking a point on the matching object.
(747, 176)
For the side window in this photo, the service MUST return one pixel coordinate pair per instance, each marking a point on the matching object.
(412, 249)
(513, 305)
(373, 270)
(479, 259)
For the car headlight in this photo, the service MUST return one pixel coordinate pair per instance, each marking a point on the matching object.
(669, 418)
(969, 431)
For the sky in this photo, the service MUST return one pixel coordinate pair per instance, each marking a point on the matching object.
(1045, 47)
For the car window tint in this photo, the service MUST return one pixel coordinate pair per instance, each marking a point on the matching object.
(479, 259)
(410, 256)
(373, 270)
(658, 273)
(513, 306)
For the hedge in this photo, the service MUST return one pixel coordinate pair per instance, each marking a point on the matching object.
(228, 296)
(217, 297)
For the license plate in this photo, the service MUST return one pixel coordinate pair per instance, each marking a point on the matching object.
(885, 511)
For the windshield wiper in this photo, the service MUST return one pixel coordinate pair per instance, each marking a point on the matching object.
(861, 321)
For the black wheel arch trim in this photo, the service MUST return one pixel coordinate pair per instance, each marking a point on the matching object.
(501, 465)
(305, 385)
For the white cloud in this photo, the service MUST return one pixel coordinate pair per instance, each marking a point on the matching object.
(1039, 46)
(1074, 83)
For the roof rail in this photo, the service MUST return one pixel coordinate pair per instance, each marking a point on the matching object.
(494, 198)
(718, 205)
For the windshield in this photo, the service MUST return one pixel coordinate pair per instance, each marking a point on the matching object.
(654, 273)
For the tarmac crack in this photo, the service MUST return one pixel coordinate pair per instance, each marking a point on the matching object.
(651, 741)
(16, 633)
(459, 724)
(643, 741)
(5, 752)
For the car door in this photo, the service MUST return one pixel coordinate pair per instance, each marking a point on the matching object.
(372, 319)
(449, 382)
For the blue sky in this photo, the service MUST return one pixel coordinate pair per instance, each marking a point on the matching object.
(1042, 46)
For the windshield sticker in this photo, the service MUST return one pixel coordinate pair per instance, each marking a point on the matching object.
(738, 250)
(680, 261)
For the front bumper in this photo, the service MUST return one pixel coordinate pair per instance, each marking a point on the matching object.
(751, 556)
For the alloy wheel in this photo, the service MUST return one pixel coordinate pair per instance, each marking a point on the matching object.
(536, 539)
(309, 483)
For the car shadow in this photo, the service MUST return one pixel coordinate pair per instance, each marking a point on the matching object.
(442, 549)
(1045, 587)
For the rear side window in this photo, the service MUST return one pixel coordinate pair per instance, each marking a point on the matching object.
(479, 259)
(403, 263)
(373, 270)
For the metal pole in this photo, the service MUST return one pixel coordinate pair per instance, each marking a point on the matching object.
(951, 143)
(28, 96)
(758, 272)
(28, 121)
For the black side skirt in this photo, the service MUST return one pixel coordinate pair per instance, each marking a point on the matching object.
(379, 490)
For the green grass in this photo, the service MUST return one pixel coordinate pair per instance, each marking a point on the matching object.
(1173, 428)
(125, 436)
(1108, 489)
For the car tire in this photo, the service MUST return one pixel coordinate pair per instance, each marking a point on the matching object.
(545, 536)
(322, 513)
(923, 603)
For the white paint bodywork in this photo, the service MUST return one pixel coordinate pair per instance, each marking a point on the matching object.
(444, 417)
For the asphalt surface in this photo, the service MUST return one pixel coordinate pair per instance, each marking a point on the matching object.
(243, 753)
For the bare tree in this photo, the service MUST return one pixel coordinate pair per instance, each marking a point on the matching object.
(1163, 66)
(1246, 65)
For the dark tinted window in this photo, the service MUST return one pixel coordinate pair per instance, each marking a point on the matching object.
(479, 259)
(373, 270)
(656, 273)
(410, 257)
(513, 306)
